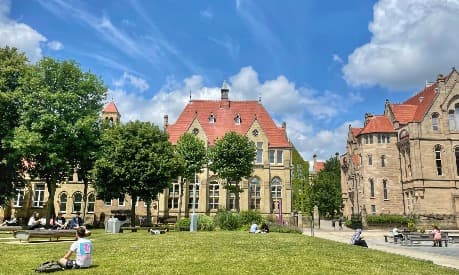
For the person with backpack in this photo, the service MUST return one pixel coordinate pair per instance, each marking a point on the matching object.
(82, 247)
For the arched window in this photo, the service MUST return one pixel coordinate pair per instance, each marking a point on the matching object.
(190, 194)
(214, 195)
(63, 202)
(438, 159)
(372, 188)
(276, 194)
(91, 202)
(456, 153)
(385, 188)
(452, 125)
(435, 121)
(255, 196)
(370, 160)
(77, 200)
(383, 161)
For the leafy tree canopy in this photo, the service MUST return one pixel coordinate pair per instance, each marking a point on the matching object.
(326, 188)
(193, 152)
(301, 185)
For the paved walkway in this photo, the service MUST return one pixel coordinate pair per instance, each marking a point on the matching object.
(445, 256)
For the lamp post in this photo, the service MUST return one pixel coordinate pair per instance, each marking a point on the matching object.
(194, 216)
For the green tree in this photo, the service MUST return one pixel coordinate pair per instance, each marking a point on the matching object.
(136, 159)
(59, 100)
(300, 181)
(326, 188)
(12, 68)
(232, 159)
(193, 153)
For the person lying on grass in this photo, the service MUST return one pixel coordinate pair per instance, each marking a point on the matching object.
(83, 249)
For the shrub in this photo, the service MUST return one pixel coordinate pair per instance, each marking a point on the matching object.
(183, 224)
(205, 223)
(227, 220)
(275, 227)
(355, 222)
(387, 219)
(251, 216)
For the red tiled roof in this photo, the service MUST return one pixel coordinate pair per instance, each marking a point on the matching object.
(319, 166)
(414, 108)
(378, 124)
(224, 120)
(110, 108)
(356, 131)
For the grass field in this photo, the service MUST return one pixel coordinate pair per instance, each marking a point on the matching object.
(214, 253)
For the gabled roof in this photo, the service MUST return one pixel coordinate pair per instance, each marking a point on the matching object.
(110, 108)
(225, 115)
(415, 108)
(378, 124)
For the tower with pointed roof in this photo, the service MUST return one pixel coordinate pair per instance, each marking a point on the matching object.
(406, 161)
(111, 113)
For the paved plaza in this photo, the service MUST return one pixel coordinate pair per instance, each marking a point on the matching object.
(445, 256)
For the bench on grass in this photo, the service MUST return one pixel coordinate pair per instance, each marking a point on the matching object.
(26, 235)
(9, 229)
(132, 228)
(419, 237)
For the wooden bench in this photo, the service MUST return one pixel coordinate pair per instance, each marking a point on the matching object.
(26, 235)
(9, 229)
(132, 228)
(419, 237)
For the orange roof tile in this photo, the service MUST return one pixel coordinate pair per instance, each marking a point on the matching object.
(224, 120)
(378, 124)
(110, 108)
(414, 108)
(319, 166)
(403, 113)
(356, 131)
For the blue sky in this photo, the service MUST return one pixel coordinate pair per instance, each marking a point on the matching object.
(318, 65)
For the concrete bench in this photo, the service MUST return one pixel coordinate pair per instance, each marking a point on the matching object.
(419, 237)
(9, 229)
(26, 235)
(453, 238)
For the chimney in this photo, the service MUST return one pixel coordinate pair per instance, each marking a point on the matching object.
(367, 118)
(284, 126)
(166, 121)
(224, 95)
(314, 163)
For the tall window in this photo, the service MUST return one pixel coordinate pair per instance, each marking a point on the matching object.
(438, 159)
(259, 152)
(276, 193)
(373, 208)
(452, 125)
(91, 202)
(456, 152)
(190, 194)
(63, 203)
(214, 195)
(121, 201)
(383, 161)
(174, 194)
(435, 121)
(271, 156)
(385, 189)
(255, 197)
(39, 195)
(366, 139)
(370, 160)
(380, 136)
(372, 188)
(77, 200)
(231, 199)
(19, 198)
(108, 202)
(371, 139)
(279, 156)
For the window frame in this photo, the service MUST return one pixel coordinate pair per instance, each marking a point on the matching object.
(75, 202)
(39, 195)
(63, 203)
(18, 200)
(214, 195)
(438, 162)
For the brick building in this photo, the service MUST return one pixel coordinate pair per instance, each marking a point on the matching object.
(406, 161)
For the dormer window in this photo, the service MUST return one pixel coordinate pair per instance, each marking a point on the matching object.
(212, 118)
(237, 119)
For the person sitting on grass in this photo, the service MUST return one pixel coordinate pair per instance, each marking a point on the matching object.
(11, 222)
(264, 228)
(60, 222)
(357, 238)
(254, 228)
(82, 247)
(35, 221)
(77, 222)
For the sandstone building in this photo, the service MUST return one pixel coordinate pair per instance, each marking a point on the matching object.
(406, 160)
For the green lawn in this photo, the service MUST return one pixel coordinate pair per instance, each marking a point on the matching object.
(214, 253)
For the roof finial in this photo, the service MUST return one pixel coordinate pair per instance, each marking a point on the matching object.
(190, 95)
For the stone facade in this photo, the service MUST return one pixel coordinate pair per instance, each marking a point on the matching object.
(422, 158)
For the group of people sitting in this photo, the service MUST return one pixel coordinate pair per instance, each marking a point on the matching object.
(254, 228)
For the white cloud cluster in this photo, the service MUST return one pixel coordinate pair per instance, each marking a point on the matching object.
(22, 36)
(134, 81)
(412, 41)
(301, 108)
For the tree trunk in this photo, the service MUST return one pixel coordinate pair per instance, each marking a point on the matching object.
(51, 184)
(180, 200)
(85, 197)
(148, 221)
(236, 195)
(133, 202)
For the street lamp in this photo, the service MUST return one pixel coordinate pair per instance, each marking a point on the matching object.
(194, 216)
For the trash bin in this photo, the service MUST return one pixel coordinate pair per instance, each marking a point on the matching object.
(112, 225)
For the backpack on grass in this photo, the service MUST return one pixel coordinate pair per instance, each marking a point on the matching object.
(50, 266)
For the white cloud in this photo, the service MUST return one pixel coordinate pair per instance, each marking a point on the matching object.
(134, 81)
(55, 45)
(412, 41)
(207, 13)
(301, 108)
(337, 58)
(19, 35)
